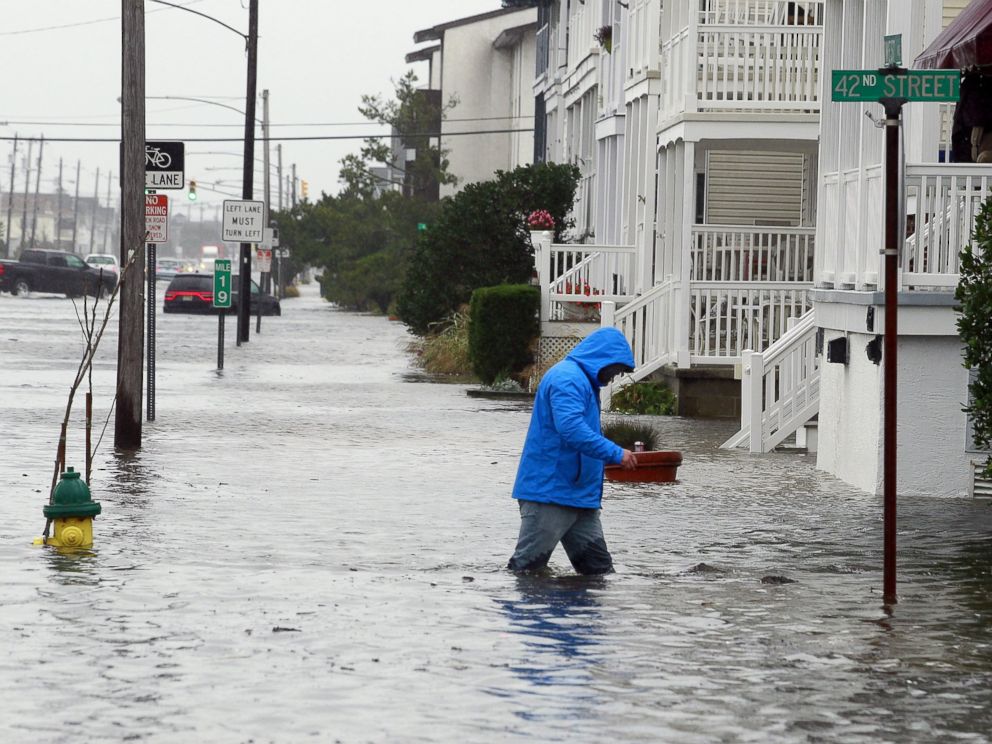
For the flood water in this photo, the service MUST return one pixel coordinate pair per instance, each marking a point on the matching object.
(310, 547)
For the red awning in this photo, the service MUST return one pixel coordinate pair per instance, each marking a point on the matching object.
(966, 42)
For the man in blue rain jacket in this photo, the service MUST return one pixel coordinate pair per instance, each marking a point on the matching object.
(559, 482)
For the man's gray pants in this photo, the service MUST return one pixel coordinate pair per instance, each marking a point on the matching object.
(543, 526)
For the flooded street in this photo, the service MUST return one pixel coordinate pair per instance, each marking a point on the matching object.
(310, 546)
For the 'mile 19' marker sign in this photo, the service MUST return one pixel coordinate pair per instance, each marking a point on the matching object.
(222, 283)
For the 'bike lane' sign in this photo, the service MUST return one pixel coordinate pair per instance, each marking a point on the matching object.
(165, 165)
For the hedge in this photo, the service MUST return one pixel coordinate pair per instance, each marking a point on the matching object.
(503, 323)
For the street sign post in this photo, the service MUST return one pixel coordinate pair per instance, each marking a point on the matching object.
(156, 218)
(892, 87)
(244, 221)
(872, 86)
(165, 165)
(221, 301)
(156, 231)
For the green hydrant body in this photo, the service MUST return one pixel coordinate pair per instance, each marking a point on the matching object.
(72, 510)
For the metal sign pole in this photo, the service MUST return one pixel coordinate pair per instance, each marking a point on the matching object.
(893, 237)
(150, 334)
(220, 339)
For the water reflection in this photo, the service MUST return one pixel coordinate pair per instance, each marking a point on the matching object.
(559, 621)
(72, 566)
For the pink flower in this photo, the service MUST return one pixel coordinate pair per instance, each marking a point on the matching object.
(540, 219)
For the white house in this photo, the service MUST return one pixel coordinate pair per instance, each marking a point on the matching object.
(941, 199)
(486, 64)
(695, 130)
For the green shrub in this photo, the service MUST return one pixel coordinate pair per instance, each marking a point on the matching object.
(479, 239)
(654, 398)
(974, 292)
(446, 352)
(625, 433)
(502, 327)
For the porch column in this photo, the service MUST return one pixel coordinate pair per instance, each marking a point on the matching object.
(684, 246)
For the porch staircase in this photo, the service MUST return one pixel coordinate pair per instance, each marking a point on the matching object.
(780, 389)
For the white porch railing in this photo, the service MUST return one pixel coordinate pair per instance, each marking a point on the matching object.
(942, 200)
(642, 36)
(578, 276)
(542, 56)
(752, 254)
(650, 325)
(725, 318)
(582, 25)
(780, 389)
(745, 55)
(946, 199)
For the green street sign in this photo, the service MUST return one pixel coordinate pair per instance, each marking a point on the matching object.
(421, 226)
(222, 283)
(859, 86)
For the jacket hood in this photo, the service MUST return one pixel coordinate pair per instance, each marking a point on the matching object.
(599, 349)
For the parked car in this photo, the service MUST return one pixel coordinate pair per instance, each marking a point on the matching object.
(167, 268)
(105, 261)
(194, 293)
(42, 270)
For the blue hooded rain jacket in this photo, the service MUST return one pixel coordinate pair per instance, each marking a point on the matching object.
(565, 452)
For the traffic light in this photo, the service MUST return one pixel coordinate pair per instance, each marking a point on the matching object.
(304, 189)
(191, 194)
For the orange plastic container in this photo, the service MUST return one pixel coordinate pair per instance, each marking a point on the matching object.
(658, 466)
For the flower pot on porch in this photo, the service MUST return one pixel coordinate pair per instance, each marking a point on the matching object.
(657, 466)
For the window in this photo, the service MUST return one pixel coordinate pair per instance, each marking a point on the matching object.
(75, 262)
(57, 260)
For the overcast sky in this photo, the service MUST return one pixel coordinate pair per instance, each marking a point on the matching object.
(61, 62)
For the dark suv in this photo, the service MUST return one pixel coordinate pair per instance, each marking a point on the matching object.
(43, 270)
(194, 293)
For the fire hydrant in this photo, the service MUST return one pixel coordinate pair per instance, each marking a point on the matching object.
(72, 510)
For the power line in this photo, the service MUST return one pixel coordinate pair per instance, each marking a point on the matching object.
(91, 22)
(23, 122)
(286, 138)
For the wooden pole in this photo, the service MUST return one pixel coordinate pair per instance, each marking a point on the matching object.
(131, 337)
(248, 190)
(10, 196)
(37, 189)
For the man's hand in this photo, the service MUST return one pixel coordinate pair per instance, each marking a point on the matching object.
(629, 461)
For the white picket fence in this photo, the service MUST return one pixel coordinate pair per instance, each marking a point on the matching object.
(780, 389)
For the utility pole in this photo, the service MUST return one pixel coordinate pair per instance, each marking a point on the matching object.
(10, 196)
(58, 213)
(267, 276)
(110, 211)
(292, 189)
(96, 204)
(279, 171)
(37, 189)
(131, 338)
(247, 191)
(27, 188)
(75, 208)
